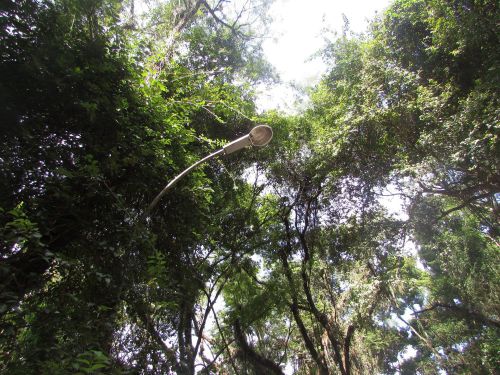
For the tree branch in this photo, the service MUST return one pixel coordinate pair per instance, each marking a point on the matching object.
(148, 325)
(220, 20)
(347, 348)
(294, 305)
(467, 313)
(255, 358)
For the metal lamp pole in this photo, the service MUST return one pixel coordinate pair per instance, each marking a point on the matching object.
(259, 136)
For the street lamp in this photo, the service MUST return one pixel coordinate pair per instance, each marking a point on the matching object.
(259, 136)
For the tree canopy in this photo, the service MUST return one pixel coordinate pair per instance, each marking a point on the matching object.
(284, 259)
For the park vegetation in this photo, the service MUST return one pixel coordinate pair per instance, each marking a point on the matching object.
(280, 260)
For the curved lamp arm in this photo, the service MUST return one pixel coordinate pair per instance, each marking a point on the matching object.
(259, 136)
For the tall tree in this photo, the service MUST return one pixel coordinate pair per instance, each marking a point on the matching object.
(413, 104)
(282, 260)
(93, 125)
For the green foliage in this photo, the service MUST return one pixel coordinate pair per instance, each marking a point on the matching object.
(301, 267)
(410, 104)
(92, 130)
(91, 362)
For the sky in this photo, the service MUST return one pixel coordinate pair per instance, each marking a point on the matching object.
(298, 31)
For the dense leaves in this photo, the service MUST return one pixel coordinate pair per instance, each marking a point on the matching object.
(283, 259)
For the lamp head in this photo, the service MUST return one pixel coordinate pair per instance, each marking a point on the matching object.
(258, 136)
(261, 135)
